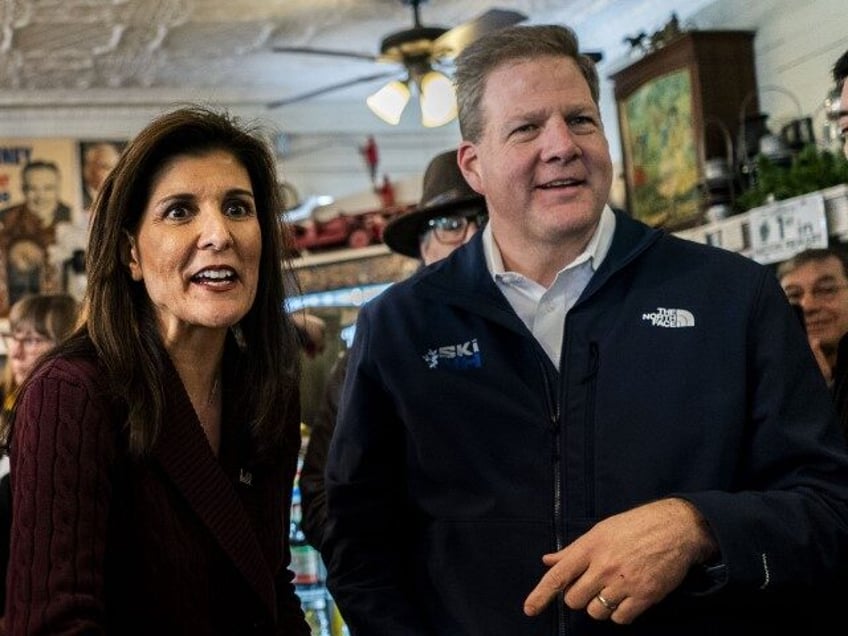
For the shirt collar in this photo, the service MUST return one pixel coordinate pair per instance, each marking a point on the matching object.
(595, 252)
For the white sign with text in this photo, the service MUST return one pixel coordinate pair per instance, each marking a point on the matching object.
(780, 230)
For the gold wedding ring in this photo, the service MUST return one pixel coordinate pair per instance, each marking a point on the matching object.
(608, 604)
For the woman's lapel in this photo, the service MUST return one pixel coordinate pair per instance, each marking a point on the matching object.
(188, 460)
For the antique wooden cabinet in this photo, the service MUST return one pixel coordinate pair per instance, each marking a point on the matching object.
(678, 107)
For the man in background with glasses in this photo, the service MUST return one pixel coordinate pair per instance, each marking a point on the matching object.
(816, 281)
(448, 216)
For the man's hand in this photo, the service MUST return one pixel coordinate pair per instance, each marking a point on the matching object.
(626, 563)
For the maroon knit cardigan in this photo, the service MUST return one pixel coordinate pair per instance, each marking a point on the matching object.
(179, 543)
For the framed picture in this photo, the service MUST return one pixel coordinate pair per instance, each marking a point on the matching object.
(660, 151)
(38, 202)
(663, 101)
(97, 158)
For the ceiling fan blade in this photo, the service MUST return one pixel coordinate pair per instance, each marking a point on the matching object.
(310, 50)
(451, 43)
(333, 87)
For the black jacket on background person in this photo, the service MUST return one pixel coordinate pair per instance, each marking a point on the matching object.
(840, 384)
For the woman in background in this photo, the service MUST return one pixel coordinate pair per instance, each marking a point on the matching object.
(37, 323)
(154, 451)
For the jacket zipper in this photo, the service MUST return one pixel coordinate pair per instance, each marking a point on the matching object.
(553, 402)
(589, 426)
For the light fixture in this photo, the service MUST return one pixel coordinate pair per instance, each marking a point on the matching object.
(436, 96)
(388, 102)
(438, 100)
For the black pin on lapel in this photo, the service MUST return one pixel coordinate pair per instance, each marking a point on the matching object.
(245, 477)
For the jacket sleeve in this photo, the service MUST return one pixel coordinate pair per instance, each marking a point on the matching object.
(61, 453)
(314, 499)
(365, 485)
(796, 463)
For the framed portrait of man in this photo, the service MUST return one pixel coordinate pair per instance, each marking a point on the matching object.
(97, 158)
(38, 201)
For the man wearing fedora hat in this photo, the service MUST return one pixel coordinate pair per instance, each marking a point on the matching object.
(448, 215)
(576, 421)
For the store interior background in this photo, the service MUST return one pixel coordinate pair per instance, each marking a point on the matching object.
(102, 69)
(65, 72)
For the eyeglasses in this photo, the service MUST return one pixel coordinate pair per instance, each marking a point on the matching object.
(824, 291)
(451, 230)
(27, 342)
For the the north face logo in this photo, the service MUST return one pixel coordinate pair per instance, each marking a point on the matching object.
(663, 317)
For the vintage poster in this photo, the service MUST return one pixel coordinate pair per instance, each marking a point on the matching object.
(39, 208)
(97, 158)
(46, 190)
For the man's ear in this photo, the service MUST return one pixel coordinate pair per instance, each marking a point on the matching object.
(469, 165)
(129, 256)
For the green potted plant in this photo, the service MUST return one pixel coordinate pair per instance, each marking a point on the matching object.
(811, 169)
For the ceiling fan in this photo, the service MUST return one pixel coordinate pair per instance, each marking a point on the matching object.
(420, 53)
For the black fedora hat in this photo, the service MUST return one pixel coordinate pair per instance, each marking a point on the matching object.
(444, 192)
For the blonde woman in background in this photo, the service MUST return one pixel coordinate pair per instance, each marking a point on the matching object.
(37, 323)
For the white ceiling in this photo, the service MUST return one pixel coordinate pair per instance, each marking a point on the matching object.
(150, 52)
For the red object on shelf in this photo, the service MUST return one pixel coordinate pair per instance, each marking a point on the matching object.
(372, 157)
(344, 230)
(386, 192)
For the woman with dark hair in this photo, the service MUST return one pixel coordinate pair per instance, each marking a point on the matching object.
(153, 452)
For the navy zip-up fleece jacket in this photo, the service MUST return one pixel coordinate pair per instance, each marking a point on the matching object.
(461, 455)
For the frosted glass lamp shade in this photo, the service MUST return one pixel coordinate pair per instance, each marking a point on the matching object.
(388, 102)
(438, 100)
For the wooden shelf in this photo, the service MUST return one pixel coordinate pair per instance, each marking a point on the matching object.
(736, 233)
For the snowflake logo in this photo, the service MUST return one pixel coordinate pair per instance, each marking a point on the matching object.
(431, 358)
